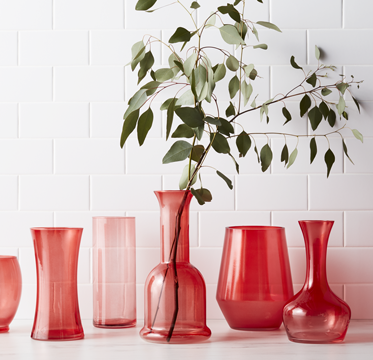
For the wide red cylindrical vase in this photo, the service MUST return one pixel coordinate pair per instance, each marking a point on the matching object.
(255, 280)
(175, 296)
(10, 290)
(57, 314)
(114, 272)
(316, 314)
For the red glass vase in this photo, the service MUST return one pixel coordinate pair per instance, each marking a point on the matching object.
(175, 292)
(10, 290)
(255, 280)
(316, 315)
(57, 314)
(114, 272)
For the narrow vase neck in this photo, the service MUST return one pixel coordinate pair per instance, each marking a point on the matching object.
(174, 205)
(316, 236)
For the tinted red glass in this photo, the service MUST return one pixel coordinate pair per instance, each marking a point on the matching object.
(57, 314)
(114, 272)
(10, 290)
(316, 314)
(255, 280)
(190, 326)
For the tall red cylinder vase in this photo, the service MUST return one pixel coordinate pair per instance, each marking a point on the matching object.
(175, 296)
(316, 315)
(255, 280)
(10, 290)
(57, 314)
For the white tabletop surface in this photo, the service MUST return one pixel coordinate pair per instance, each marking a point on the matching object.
(225, 343)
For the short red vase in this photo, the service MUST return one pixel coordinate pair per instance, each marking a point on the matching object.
(316, 315)
(57, 314)
(162, 301)
(10, 290)
(255, 280)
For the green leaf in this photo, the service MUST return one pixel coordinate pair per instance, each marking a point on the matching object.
(358, 135)
(242, 29)
(261, 1)
(341, 105)
(189, 64)
(190, 116)
(255, 32)
(144, 125)
(294, 64)
(213, 121)
(230, 35)
(317, 53)
(235, 163)
(197, 152)
(179, 151)
(292, 158)
(179, 64)
(257, 154)
(268, 25)
(243, 143)
(315, 117)
(325, 92)
(313, 149)
(128, 126)
(261, 46)
(247, 90)
(152, 74)
(184, 179)
(266, 157)
(331, 118)
(183, 131)
(145, 65)
(143, 5)
(312, 80)
(219, 143)
(342, 87)
(197, 196)
(287, 115)
(231, 11)
(248, 69)
(305, 104)
(205, 194)
(357, 104)
(186, 98)
(211, 21)
(171, 62)
(237, 2)
(226, 127)
(138, 53)
(166, 104)
(195, 5)
(234, 86)
(199, 131)
(136, 102)
(285, 155)
(324, 109)
(329, 160)
(164, 74)
(180, 35)
(170, 117)
(346, 151)
(232, 63)
(345, 115)
(253, 74)
(220, 72)
(231, 111)
(227, 180)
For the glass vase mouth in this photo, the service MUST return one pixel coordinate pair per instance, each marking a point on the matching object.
(7, 257)
(254, 227)
(316, 221)
(170, 191)
(114, 217)
(55, 228)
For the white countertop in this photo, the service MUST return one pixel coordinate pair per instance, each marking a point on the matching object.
(224, 343)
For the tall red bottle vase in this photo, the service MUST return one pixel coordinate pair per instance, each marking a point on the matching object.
(10, 290)
(114, 272)
(254, 280)
(161, 299)
(316, 315)
(57, 314)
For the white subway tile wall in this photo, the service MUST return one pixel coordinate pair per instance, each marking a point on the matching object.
(63, 92)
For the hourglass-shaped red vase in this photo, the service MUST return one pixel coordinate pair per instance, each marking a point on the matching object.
(316, 315)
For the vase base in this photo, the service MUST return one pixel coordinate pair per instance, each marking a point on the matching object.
(316, 338)
(178, 337)
(57, 335)
(120, 324)
(4, 329)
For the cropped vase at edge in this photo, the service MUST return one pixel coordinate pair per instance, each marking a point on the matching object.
(254, 280)
(316, 314)
(160, 296)
(57, 315)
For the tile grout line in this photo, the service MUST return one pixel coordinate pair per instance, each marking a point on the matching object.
(342, 14)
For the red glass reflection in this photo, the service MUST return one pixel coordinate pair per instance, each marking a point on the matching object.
(57, 314)
(114, 272)
(10, 290)
(160, 298)
(255, 280)
(316, 314)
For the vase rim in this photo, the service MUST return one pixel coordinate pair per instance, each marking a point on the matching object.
(315, 221)
(8, 257)
(114, 217)
(170, 191)
(51, 228)
(255, 227)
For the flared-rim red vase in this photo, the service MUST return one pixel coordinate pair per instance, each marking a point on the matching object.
(57, 315)
(255, 279)
(315, 315)
(170, 316)
(10, 290)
